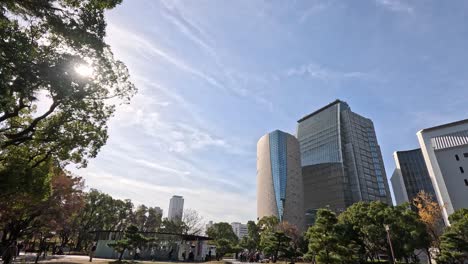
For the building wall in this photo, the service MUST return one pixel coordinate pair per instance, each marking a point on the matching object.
(399, 189)
(439, 146)
(266, 200)
(454, 178)
(412, 170)
(279, 181)
(239, 229)
(366, 177)
(341, 159)
(323, 187)
(176, 208)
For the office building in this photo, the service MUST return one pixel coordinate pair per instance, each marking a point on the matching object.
(239, 229)
(410, 176)
(279, 181)
(341, 159)
(176, 208)
(445, 151)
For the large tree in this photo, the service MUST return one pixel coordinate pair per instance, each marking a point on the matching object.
(454, 241)
(430, 213)
(251, 241)
(59, 82)
(49, 207)
(326, 239)
(223, 237)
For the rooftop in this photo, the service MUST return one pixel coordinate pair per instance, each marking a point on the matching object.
(337, 101)
(456, 123)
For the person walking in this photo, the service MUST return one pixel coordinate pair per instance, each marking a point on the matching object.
(152, 254)
(92, 251)
(10, 253)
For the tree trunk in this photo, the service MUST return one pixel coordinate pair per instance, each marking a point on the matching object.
(428, 252)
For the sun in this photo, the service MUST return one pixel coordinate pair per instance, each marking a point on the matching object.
(84, 70)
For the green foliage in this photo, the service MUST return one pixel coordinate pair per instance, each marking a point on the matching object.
(224, 238)
(251, 241)
(42, 42)
(365, 222)
(326, 239)
(454, 242)
(267, 226)
(277, 242)
(132, 239)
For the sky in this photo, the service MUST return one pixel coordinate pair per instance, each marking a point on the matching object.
(214, 76)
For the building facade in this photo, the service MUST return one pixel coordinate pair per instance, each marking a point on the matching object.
(410, 176)
(341, 159)
(239, 229)
(279, 181)
(445, 151)
(176, 208)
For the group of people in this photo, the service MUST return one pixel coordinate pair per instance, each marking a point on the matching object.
(247, 256)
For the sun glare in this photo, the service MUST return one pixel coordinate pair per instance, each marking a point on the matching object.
(84, 70)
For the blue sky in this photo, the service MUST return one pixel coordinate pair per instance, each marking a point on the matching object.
(214, 76)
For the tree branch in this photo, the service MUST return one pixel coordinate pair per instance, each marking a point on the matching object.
(15, 112)
(23, 135)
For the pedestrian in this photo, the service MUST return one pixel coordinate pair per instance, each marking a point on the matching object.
(170, 254)
(137, 253)
(152, 253)
(183, 256)
(92, 251)
(20, 247)
(209, 255)
(10, 253)
(191, 257)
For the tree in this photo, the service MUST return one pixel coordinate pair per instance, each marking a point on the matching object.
(430, 213)
(324, 238)
(295, 247)
(251, 241)
(140, 216)
(267, 226)
(193, 222)
(223, 237)
(454, 241)
(132, 239)
(52, 207)
(275, 243)
(43, 43)
(154, 219)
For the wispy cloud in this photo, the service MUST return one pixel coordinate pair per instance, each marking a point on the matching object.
(149, 49)
(319, 72)
(315, 7)
(396, 6)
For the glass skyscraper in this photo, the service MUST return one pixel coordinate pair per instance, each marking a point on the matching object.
(410, 176)
(279, 181)
(340, 158)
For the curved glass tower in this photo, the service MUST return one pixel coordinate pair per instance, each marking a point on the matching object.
(279, 181)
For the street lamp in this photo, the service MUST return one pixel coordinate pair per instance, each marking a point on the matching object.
(387, 229)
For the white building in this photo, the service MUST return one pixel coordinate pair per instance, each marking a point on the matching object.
(445, 150)
(176, 208)
(239, 229)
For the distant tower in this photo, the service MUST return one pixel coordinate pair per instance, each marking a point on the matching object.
(410, 176)
(279, 181)
(176, 208)
(445, 150)
(341, 159)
